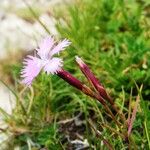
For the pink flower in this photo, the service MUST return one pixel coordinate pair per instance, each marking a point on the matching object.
(46, 60)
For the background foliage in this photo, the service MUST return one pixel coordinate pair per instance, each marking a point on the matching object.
(113, 39)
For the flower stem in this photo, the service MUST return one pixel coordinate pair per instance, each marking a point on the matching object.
(86, 90)
(98, 86)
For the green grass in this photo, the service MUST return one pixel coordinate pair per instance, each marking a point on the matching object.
(113, 39)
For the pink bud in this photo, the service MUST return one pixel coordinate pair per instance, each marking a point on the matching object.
(79, 85)
(92, 79)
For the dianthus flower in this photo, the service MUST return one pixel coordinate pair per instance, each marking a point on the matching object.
(44, 61)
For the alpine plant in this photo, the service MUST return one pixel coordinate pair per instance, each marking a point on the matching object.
(45, 59)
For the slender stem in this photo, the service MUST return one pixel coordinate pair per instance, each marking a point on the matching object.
(100, 99)
(31, 101)
(129, 109)
(133, 143)
(131, 121)
(36, 17)
(113, 130)
(97, 85)
(17, 98)
(147, 135)
(86, 90)
(109, 146)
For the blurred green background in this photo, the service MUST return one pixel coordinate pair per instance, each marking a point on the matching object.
(113, 38)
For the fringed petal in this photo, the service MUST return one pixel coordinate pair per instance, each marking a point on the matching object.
(60, 47)
(45, 47)
(53, 66)
(32, 67)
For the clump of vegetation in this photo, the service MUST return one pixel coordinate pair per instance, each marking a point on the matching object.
(113, 39)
